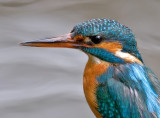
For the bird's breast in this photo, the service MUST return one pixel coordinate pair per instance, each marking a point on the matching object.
(93, 70)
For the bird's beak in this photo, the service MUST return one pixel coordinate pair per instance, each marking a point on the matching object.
(60, 41)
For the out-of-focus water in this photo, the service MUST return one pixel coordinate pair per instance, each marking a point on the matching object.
(47, 82)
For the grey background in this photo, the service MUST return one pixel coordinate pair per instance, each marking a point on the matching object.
(47, 82)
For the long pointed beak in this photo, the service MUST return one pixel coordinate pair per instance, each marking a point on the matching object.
(61, 41)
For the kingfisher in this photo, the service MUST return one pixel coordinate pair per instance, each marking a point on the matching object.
(116, 82)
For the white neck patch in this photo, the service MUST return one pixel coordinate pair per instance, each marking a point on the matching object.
(127, 56)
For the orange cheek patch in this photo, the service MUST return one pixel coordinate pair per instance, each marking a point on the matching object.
(110, 46)
(79, 38)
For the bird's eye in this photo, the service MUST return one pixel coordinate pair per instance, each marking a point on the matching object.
(96, 39)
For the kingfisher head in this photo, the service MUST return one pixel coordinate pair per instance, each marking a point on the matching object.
(104, 39)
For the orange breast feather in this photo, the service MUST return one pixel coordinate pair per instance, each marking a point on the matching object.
(92, 71)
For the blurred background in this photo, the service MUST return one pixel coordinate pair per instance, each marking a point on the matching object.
(47, 82)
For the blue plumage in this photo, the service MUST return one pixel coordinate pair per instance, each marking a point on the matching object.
(103, 54)
(110, 30)
(130, 87)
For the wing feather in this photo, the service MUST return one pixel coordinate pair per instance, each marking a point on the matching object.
(135, 89)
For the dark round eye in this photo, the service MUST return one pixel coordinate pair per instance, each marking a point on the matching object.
(96, 39)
